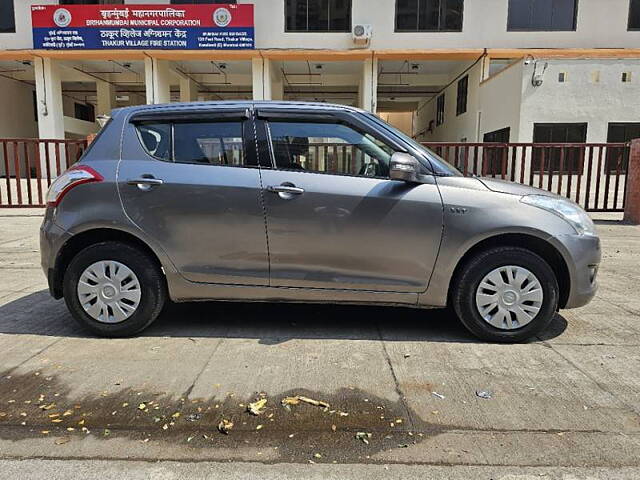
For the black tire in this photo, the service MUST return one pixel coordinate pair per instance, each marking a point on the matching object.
(467, 281)
(152, 285)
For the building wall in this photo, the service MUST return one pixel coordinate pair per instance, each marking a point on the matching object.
(401, 120)
(501, 101)
(600, 23)
(456, 128)
(484, 26)
(581, 99)
(508, 99)
(22, 38)
(17, 119)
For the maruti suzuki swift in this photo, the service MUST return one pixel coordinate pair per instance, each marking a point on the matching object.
(302, 202)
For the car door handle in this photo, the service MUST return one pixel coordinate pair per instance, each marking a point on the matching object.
(145, 183)
(285, 189)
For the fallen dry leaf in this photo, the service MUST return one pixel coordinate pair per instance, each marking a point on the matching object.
(225, 425)
(257, 407)
(62, 440)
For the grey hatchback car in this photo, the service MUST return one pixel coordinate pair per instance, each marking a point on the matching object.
(302, 202)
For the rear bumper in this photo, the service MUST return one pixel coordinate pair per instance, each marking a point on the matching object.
(52, 238)
(582, 255)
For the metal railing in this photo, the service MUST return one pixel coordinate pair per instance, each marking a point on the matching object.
(591, 174)
(28, 166)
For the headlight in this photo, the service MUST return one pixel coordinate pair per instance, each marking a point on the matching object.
(565, 209)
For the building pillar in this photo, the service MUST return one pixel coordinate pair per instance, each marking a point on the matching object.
(49, 98)
(368, 89)
(632, 199)
(261, 71)
(188, 90)
(157, 76)
(277, 83)
(486, 68)
(106, 97)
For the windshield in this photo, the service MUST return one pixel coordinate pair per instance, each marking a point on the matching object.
(439, 164)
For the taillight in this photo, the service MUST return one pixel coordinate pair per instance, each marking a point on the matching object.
(76, 175)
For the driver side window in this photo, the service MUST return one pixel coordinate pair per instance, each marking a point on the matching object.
(332, 148)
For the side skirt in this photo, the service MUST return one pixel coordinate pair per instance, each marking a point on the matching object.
(181, 290)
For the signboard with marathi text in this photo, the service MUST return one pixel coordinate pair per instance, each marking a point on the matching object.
(186, 27)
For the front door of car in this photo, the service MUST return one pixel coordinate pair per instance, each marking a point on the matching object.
(334, 218)
(191, 181)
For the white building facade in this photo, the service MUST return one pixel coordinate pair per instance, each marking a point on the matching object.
(443, 70)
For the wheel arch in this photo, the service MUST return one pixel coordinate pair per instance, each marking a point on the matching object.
(533, 243)
(86, 238)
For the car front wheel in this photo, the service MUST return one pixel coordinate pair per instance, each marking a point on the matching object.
(114, 289)
(506, 294)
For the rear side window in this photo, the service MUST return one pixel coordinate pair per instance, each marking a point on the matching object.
(218, 143)
(156, 139)
(209, 143)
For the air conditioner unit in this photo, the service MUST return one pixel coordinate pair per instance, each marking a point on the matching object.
(362, 34)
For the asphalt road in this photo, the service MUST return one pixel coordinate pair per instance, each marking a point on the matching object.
(565, 405)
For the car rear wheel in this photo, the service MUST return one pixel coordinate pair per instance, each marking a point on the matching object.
(114, 289)
(506, 294)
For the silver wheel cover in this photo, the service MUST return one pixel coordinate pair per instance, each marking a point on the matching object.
(509, 297)
(109, 291)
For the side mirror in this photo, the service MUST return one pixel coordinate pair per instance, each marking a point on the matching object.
(404, 167)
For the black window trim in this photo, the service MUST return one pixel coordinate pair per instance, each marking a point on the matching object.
(199, 116)
(348, 30)
(629, 27)
(419, 30)
(576, 10)
(190, 114)
(335, 117)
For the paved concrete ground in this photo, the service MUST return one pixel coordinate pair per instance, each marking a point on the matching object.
(566, 405)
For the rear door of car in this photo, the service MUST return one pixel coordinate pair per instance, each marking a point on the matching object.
(334, 218)
(191, 180)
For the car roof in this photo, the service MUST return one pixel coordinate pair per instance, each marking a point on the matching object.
(288, 105)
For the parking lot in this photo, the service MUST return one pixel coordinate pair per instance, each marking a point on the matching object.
(567, 403)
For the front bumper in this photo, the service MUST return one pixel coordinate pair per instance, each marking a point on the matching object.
(582, 255)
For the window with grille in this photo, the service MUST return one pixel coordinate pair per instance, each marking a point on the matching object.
(542, 15)
(440, 110)
(7, 17)
(318, 15)
(463, 87)
(559, 158)
(634, 15)
(429, 15)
